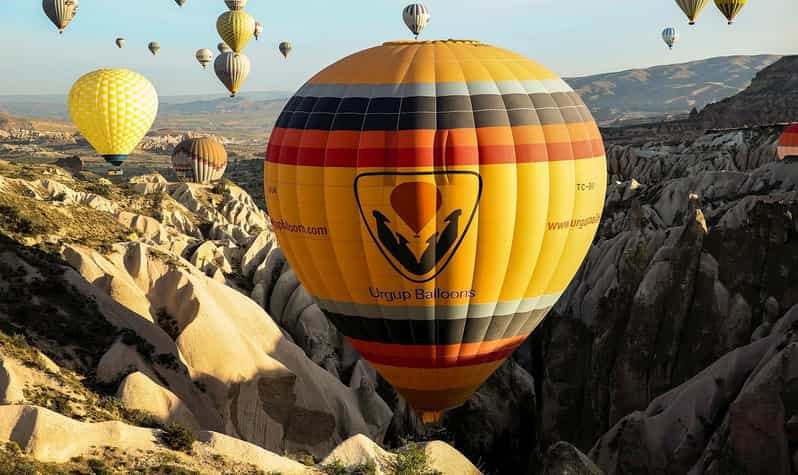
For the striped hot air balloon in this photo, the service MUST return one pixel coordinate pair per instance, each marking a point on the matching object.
(692, 8)
(730, 8)
(436, 198)
(670, 36)
(60, 12)
(232, 69)
(204, 57)
(199, 160)
(416, 17)
(788, 143)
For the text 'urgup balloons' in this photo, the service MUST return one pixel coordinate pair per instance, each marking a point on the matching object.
(692, 8)
(60, 12)
(113, 109)
(199, 160)
(436, 198)
(788, 143)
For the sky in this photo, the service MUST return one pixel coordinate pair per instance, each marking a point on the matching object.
(571, 37)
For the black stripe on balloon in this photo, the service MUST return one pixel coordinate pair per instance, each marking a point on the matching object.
(446, 112)
(437, 332)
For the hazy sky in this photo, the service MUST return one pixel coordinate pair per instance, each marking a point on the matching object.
(573, 37)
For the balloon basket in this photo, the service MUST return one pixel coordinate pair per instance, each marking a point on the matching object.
(430, 417)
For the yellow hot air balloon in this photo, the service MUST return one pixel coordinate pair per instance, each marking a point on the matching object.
(730, 8)
(692, 8)
(236, 29)
(113, 109)
(436, 198)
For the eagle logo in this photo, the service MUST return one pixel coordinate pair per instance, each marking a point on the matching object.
(418, 219)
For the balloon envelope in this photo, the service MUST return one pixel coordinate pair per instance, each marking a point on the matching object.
(285, 48)
(730, 8)
(232, 70)
(204, 56)
(223, 48)
(154, 47)
(670, 36)
(236, 4)
(416, 17)
(113, 109)
(692, 8)
(436, 198)
(199, 160)
(236, 29)
(788, 143)
(60, 12)
(120, 42)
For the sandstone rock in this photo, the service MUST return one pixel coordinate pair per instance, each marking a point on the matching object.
(138, 391)
(245, 452)
(10, 386)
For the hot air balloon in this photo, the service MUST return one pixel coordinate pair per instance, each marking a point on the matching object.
(670, 36)
(236, 29)
(416, 17)
(730, 8)
(232, 69)
(692, 8)
(204, 56)
(285, 48)
(258, 29)
(788, 143)
(113, 109)
(223, 48)
(154, 47)
(60, 12)
(120, 42)
(235, 5)
(200, 160)
(180, 3)
(452, 189)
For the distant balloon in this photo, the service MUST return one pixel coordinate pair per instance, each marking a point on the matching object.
(416, 17)
(154, 47)
(180, 3)
(204, 56)
(120, 42)
(670, 36)
(258, 29)
(692, 8)
(788, 143)
(60, 12)
(730, 8)
(200, 160)
(285, 48)
(113, 109)
(236, 29)
(236, 5)
(223, 48)
(232, 69)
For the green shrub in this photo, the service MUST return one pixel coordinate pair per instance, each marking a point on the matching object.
(178, 437)
(411, 460)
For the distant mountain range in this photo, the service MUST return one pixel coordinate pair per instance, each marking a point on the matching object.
(667, 90)
(614, 98)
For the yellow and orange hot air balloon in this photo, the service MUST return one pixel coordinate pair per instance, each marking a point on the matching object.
(788, 143)
(436, 198)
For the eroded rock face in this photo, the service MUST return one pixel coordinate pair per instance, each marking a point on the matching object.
(687, 266)
(563, 458)
(735, 416)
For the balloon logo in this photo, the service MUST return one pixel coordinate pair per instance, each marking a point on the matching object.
(416, 202)
(397, 224)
